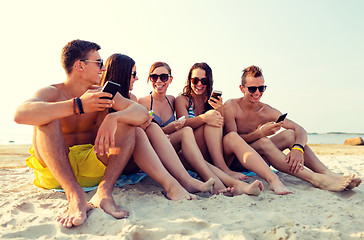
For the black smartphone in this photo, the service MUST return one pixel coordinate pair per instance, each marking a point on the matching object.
(281, 118)
(110, 87)
(216, 94)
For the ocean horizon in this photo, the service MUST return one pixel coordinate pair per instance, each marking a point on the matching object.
(313, 138)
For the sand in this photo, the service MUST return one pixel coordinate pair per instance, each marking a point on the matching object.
(27, 212)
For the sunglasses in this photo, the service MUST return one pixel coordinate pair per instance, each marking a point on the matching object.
(134, 74)
(254, 89)
(204, 81)
(100, 62)
(163, 77)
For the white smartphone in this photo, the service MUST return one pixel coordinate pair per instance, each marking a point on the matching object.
(181, 119)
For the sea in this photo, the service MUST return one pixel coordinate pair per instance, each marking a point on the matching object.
(313, 138)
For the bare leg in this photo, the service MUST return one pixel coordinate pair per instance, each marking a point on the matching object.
(148, 161)
(286, 139)
(185, 139)
(213, 138)
(274, 155)
(115, 164)
(250, 159)
(51, 151)
(170, 160)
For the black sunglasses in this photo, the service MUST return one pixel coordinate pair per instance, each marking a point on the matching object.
(134, 74)
(254, 89)
(163, 77)
(99, 61)
(204, 81)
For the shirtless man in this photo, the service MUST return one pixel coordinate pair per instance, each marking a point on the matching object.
(248, 119)
(68, 118)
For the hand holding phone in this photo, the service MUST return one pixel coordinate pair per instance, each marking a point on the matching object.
(216, 94)
(110, 87)
(281, 118)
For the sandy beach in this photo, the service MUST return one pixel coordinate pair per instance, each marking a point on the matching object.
(28, 212)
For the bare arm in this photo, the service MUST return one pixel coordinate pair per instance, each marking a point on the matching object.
(212, 117)
(182, 105)
(128, 111)
(230, 117)
(46, 107)
(300, 132)
(42, 108)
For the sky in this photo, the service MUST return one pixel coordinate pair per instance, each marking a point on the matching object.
(311, 52)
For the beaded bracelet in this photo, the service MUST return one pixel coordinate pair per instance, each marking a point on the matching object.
(298, 149)
(75, 106)
(79, 105)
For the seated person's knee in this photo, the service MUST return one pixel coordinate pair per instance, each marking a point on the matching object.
(231, 136)
(289, 136)
(262, 145)
(187, 131)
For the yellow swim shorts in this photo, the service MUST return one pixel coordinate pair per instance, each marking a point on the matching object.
(88, 169)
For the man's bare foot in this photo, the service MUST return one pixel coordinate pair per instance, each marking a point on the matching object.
(106, 202)
(278, 187)
(193, 185)
(332, 183)
(354, 183)
(76, 212)
(236, 175)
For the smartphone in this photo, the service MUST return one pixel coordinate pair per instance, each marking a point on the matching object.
(281, 118)
(181, 119)
(110, 87)
(216, 94)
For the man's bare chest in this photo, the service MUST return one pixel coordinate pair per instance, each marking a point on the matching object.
(248, 122)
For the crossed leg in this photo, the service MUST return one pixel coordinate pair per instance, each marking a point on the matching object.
(148, 161)
(172, 163)
(320, 176)
(209, 140)
(250, 159)
(184, 140)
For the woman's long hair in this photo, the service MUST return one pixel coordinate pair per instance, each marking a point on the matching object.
(187, 90)
(118, 69)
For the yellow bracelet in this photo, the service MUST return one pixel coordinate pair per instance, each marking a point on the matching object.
(298, 149)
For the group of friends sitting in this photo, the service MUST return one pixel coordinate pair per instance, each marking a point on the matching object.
(83, 137)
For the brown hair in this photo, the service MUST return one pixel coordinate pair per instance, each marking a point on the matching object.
(76, 50)
(187, 90)
(118, 69)
(157, 65)
(252, 71)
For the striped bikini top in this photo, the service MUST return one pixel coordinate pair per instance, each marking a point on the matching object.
(191, 113)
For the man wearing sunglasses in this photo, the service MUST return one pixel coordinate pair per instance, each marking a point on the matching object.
(76, 143)
(249, 119)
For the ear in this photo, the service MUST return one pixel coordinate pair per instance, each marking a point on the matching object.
(78, 66)
(242, 88)
(171, 78)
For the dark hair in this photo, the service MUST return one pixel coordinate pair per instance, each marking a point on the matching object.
(157, 65)
(118, 69)
(76, 50)
(252, 71)
(187, 90)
